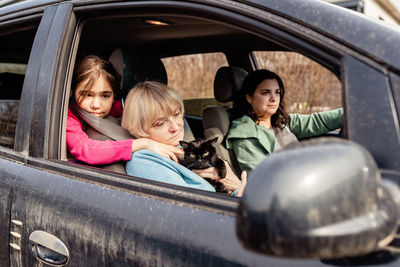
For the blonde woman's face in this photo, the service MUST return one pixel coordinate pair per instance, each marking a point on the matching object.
(167, 129)
(98, 100)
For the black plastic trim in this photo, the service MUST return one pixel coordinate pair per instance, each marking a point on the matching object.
(25, 115)
(46, 83)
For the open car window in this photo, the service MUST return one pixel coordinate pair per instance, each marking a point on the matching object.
(192, 48)
(193, 77)
(14, 54)
(309, 86)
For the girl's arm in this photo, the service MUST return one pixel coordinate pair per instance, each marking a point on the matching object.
(91, 151)
(167, 151)
(316, 124)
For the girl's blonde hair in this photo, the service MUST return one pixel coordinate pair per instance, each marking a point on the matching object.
(145, 102)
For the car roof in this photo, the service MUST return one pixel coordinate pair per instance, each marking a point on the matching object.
(375, 40)
(378, 41)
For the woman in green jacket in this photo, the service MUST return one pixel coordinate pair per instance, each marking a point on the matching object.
(263, 126)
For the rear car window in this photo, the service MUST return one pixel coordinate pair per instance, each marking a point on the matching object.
(14, 54)
(193, 77)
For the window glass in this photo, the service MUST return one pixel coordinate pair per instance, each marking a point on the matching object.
(193, 77)
(14, 54)
(309, 86)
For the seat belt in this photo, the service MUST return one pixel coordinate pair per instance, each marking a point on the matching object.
(108, 126)
(103, 129)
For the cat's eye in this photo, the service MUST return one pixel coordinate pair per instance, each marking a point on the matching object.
(191, 155)
(205, 154)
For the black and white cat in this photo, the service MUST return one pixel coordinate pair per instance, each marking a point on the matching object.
(201, 154)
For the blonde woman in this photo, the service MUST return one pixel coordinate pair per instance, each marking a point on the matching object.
(154, 111)
(94, 88)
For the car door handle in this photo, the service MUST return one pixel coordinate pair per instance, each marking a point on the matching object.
(48, 248)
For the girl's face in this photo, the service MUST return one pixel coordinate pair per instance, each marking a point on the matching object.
(167, 129)
(265, 99)
(98, 100)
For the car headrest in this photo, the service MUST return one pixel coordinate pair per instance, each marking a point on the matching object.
(227, 83)
(135, 67)
(216, 117)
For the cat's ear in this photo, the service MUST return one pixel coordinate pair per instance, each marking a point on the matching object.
(213, 142)
(184, 144)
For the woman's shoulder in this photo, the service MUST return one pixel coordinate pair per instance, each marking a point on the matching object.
(243, 119)
(150, 165)
(153, 158)
(142, 159)
(243, 127)
(147, 154)
(242, 122)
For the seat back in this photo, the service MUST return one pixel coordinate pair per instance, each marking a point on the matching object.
(216, 119)
(133, 68)
(139, 67)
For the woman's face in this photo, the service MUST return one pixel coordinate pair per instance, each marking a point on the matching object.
(167, 129)
(98, 100)
(265, 99)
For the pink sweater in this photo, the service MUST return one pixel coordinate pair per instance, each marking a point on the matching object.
(95, 152)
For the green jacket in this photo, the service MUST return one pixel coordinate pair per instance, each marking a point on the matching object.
(252, 142)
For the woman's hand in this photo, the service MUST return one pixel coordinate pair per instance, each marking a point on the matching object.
(168, 151)
(231, 182)
(243, 176)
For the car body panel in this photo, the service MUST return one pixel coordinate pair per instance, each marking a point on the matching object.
(110, 219)
(377, 41)
(6, 186)
(30, 83)
(367, 92)
(141, 229)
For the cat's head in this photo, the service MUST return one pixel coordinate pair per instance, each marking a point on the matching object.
(199, 153)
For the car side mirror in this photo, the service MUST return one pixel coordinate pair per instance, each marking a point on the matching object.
(323, 199)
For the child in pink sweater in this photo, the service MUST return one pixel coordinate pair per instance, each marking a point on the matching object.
(94, 89)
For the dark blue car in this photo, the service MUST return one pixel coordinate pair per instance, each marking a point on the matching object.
(332, 201)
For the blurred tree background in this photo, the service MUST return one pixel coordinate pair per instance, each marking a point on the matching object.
(309, 86)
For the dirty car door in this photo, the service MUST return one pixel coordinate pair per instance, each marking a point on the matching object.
(103, 226)
(94, 218)
(66, 213)
(6, 182)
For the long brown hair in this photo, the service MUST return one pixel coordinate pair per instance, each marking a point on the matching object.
(92, 68)
(241, 107)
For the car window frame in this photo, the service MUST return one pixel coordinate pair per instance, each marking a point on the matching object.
(320, 50)
(12, 20)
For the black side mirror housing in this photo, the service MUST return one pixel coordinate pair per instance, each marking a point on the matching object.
(323, 199)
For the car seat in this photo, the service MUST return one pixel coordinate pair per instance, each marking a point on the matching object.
(216, 119)
(133, 68)
(139, 67)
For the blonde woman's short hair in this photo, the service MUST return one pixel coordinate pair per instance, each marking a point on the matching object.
(144, 104)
